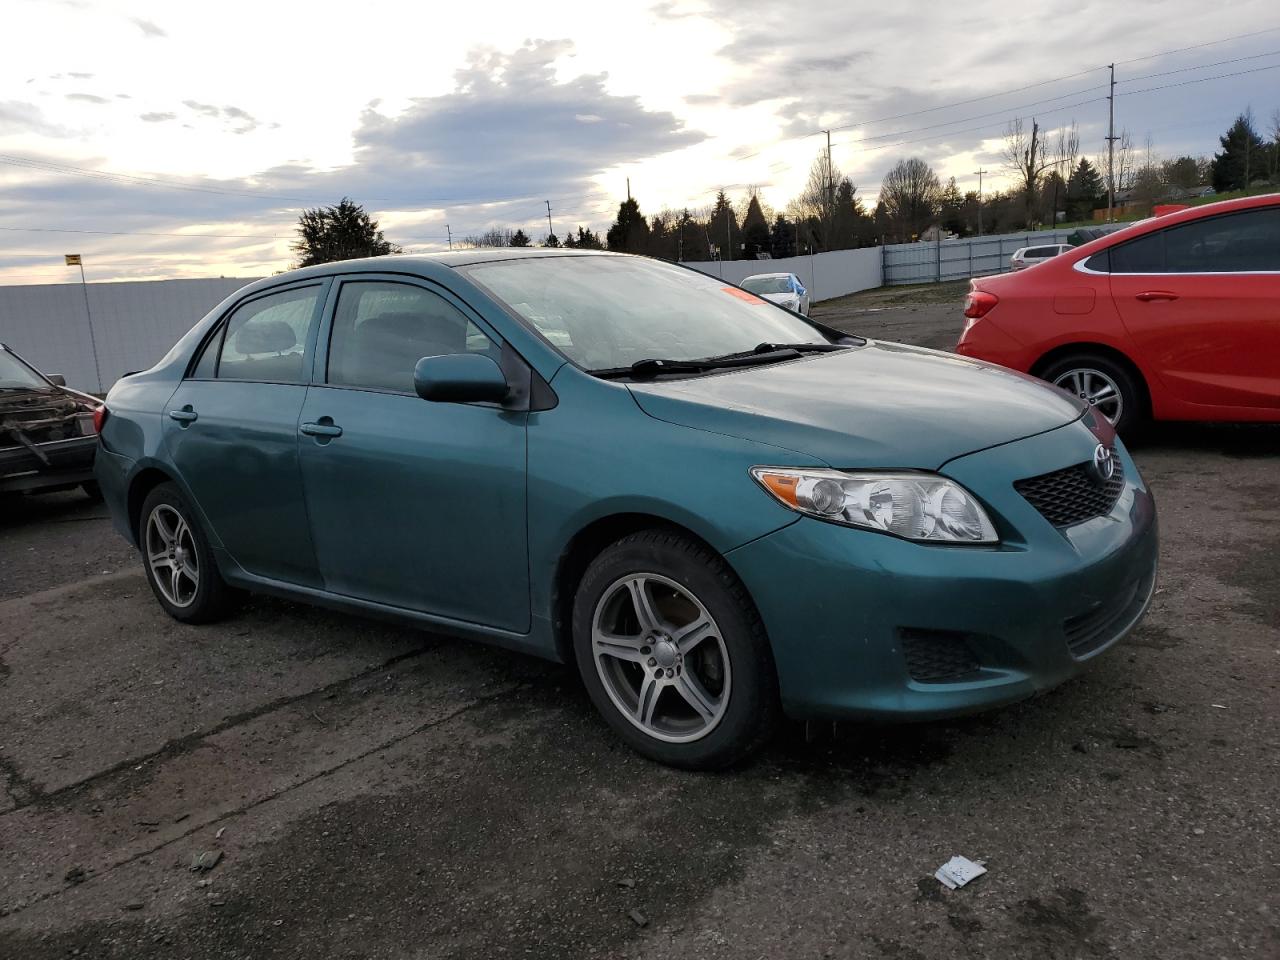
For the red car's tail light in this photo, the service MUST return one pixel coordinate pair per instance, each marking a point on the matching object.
(979, 303)
(99, 418)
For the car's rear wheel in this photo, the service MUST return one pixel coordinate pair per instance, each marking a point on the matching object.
(1108, 386)
(673, 653)
(178, 561)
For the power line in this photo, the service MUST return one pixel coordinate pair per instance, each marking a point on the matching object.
(1199, 46)
(961, 103)
(1184, 83)
(1200, 66)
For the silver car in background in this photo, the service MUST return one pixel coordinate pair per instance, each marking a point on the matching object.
(784, 289)
(1030, 256)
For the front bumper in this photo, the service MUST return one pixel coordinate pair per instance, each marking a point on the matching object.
(865, 625)
(57, 463)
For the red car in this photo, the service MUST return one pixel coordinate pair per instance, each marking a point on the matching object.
(1175, 318)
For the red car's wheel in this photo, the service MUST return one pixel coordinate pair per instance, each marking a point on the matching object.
(1110, 387)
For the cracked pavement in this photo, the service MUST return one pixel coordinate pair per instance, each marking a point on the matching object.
(375, 791)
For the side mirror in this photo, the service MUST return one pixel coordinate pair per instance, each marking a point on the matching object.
(57, 379)
(460, 378)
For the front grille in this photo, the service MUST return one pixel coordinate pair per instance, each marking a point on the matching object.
(938, 656)
(1092, 630)
(39, 417)
(1072, 495)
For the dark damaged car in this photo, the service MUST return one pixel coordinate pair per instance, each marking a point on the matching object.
(48, 432)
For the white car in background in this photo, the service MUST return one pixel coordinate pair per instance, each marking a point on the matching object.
(784, 289)
(1030, 256)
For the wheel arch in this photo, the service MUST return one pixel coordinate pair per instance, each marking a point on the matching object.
(583, 547)
(1086, 347)
(146, 480)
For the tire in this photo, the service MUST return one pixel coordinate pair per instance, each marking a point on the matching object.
(200, 594)
(1094, 370)
(726, 669)
(92, 490)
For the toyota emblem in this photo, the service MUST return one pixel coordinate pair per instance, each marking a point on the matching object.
(1104, 463)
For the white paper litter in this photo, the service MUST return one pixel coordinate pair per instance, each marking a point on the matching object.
(958, 871)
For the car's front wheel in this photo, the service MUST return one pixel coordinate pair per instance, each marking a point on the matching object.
(673, 653)
(178, 561)
(1108, 386)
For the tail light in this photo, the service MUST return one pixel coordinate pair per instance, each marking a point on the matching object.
(979, 303)
(99, 417)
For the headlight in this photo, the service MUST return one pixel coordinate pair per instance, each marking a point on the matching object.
(917, 506)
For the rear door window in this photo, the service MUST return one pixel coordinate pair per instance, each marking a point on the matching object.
(265, 339)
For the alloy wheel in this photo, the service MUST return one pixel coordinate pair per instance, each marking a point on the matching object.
(1096, 388)
(171, 554)
(660, 657)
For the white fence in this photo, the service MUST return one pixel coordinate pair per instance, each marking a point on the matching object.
(133, 324)
(825, 275)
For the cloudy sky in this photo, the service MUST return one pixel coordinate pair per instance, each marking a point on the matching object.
(172, 140)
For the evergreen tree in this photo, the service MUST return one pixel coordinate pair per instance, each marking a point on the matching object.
(1243, 157)
(723, 227)
(551, 240)
(586, 240)
(1084, 188)
(782, 237)
(343, 232)
(630, 231)
(951, 213)
(519, 239)
(755, 230)
(691, 238)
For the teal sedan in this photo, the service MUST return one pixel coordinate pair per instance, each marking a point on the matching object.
(719, 511)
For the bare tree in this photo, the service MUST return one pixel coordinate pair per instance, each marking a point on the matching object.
(911, 194)
(1025, 157)
(493, 237)
(1066, 148)
(815, 204)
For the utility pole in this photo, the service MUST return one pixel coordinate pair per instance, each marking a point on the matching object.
(728, 231)
(980, 173)
(1111, 146)
(75, 260)
(450, 233)
(628, 189)
(831, 192)
(550, 230)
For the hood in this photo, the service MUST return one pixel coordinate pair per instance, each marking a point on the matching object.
(882, 405)
(779, 297)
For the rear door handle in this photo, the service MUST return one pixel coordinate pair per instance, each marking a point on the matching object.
(184, 416)
(1149, 295)
(321, 429)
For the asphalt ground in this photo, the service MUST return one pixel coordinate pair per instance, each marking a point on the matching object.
(345, 788)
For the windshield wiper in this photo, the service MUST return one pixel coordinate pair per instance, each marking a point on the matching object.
(652, 367)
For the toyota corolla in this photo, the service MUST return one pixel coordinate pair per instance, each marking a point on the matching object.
(719, 511)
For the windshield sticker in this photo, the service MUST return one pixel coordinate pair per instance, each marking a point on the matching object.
(742, 295)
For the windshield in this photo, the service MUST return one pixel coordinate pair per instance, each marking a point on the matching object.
(767, 284)
(15, 373)
(609, 312)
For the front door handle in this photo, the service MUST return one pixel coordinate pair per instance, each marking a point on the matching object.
(1149, 295)
(184, 416)
(325, 427)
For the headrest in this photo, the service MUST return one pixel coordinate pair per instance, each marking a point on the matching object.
(266, 336)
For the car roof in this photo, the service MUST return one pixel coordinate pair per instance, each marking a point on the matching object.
(429, 265)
